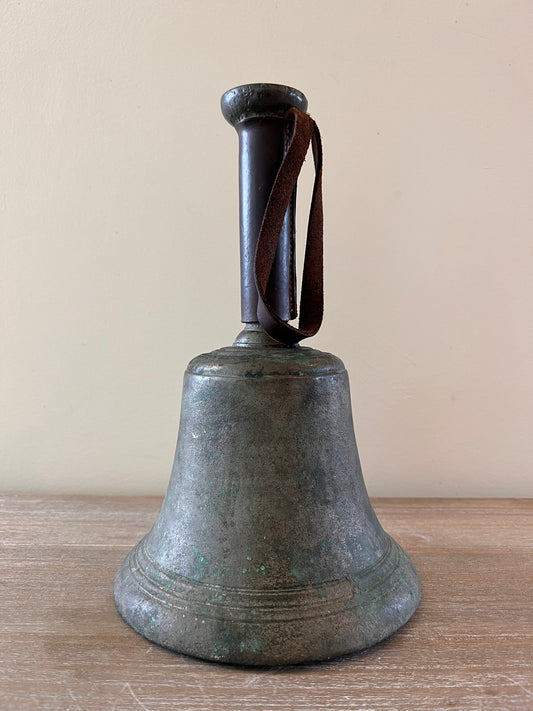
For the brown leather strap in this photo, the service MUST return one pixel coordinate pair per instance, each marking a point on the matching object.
(305, 131)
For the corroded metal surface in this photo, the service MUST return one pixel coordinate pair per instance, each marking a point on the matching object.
(266, 550)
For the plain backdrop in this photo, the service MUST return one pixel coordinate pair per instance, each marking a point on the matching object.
(119, 229)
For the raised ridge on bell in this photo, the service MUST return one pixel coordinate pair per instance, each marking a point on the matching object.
(258, 359)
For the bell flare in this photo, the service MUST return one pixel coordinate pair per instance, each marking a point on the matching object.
(266, 550)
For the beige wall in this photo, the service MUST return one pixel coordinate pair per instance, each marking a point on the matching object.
(118, 219)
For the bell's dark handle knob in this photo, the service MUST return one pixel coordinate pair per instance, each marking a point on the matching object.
(274, 134)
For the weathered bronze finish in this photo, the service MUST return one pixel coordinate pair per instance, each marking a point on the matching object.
(266, 549)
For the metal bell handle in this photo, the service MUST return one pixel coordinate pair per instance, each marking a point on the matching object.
(304, 132)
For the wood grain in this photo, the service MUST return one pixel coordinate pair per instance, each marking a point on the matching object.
(64, 648)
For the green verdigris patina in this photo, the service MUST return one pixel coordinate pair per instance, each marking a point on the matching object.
(266, 550)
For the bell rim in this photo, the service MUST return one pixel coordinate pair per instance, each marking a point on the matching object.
(386, 607)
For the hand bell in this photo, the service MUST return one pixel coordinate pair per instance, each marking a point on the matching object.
(266, 550)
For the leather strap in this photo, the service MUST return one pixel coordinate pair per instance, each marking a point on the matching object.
(305, 131)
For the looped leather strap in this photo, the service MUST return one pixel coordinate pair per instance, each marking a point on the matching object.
(305, 131)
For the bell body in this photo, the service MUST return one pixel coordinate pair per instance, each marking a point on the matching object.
(266, 549)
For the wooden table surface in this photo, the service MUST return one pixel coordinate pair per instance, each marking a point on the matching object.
(63, 646)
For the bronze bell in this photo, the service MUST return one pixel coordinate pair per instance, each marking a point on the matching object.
(266, 549)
